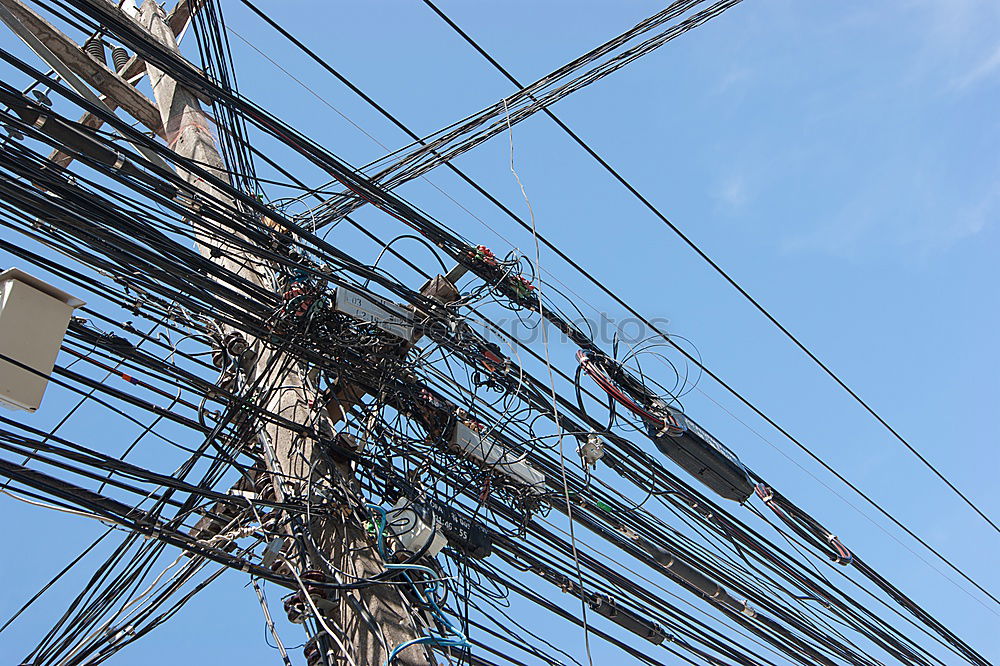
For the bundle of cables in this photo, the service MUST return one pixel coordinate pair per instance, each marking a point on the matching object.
(618, 384)
(804, 525)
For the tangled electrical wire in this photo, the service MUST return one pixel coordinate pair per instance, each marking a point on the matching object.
(412, 407)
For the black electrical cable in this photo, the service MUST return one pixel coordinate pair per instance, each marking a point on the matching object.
(618, 299)
(716, 267)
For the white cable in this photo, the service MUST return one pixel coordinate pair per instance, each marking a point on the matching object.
(318, 615)
(552, 385)
(59, 508)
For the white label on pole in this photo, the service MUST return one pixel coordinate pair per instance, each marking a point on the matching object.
(373, 309)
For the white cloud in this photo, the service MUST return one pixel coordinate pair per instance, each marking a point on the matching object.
(953, 37)
(734, 192)
(986, 68)
(951, 24)
(881, 218)
(734, 80)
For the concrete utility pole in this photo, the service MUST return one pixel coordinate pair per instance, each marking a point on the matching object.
(370, 623)
(134, 70)
(73, 64)
(68, 57)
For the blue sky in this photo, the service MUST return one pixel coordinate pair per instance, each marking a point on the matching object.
(841, 160)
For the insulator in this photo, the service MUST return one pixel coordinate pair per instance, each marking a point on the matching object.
(313, 652)
(295, 608)
(264, 487)
(119, 56)
(95, 47)
(42, 98)
(313, 576)
(236, 344)
(219, 358)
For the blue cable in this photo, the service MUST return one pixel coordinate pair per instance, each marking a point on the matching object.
(429, 599)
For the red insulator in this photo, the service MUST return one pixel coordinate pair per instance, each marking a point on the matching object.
(313, 653)
(295, 609)
(310, 578)
(484, 254)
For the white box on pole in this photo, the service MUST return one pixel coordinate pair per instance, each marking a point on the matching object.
(492, 454)
(413, 532)
(33, 319)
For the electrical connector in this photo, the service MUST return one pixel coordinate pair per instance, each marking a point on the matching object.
(591, 450)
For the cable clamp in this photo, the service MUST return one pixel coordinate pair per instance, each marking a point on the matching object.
(843, 556)
(628, 533)
(765, 493)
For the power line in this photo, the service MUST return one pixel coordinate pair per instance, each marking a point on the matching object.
(138, 239)
(715, 266)
(585, 273)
